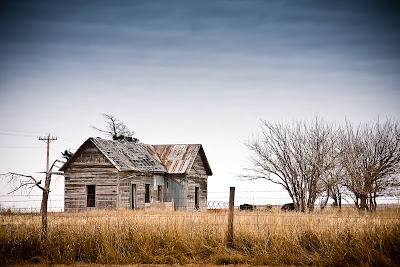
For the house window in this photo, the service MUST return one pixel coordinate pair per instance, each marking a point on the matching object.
(91, 195)
(147, 194)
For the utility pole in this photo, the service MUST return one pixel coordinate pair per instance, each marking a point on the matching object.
(48, 139)
(46, 191)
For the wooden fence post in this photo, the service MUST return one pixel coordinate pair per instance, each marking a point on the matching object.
(229, 240)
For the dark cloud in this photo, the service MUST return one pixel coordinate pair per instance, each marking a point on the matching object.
(357, 30)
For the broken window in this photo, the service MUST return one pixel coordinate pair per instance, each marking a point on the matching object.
(91, 195)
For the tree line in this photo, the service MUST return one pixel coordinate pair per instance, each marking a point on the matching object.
(318, 158)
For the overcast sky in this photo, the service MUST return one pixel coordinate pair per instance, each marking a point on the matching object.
(189, 72)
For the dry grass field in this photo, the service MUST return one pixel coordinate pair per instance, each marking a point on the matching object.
(327, 238)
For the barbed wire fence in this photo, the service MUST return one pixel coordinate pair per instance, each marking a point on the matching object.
(223, 218)
(217, 219)
(216, 201)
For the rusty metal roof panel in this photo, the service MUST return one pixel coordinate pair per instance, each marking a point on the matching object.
(177, 159)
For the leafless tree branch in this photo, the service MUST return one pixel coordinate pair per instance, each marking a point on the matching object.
(115, 129)
(23, 181)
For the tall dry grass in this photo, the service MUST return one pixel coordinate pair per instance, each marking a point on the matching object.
(261, 238)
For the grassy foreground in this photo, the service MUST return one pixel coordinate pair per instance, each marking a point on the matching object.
(324, 238)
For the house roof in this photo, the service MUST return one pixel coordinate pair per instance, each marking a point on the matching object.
(179, 158)
(128, 156)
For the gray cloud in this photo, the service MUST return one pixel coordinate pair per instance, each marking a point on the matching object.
(227, 36)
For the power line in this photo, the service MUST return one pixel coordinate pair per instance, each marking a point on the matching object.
(20, 147)
(26, 135)
(63, 145)
(47, 139)
(67, 140)
(4, 130)
(23, 135)
(27, 147)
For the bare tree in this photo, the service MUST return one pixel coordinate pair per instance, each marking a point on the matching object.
(332, 185)
(371, 161)
(323, 152)
(116, 129)
(296, 157)
(23, 182)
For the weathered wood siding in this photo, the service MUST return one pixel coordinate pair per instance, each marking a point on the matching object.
(139, 180)
(91, 167)
(197, 177)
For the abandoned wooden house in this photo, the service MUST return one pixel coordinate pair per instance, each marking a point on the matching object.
(107, 174)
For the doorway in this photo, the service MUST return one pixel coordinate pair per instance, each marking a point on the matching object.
(160, 193)
(133, 196)
(196, 198)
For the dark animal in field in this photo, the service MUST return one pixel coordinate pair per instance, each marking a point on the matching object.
(246, 207)
(288, 207)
